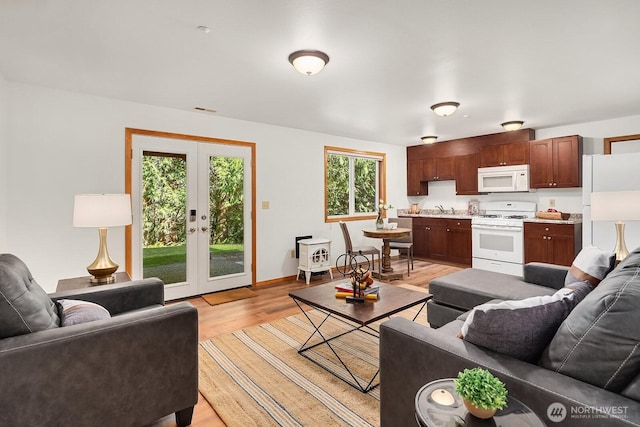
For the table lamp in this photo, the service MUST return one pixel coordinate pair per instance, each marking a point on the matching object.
(616, 206)
(102, 211)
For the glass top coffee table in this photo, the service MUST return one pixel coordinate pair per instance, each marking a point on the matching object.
(391, 300)
(438, 405)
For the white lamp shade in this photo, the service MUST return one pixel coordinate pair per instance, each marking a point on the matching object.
(308, 65)
(615, 206)
(101, 210)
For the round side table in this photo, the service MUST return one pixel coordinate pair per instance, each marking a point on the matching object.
(438, 405)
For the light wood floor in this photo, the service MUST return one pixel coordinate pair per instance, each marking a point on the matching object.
(272, 303)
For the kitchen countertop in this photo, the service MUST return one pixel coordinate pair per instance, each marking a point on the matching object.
(573, 219)
(436, 214)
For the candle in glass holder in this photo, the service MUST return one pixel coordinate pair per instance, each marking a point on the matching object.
(442, 397)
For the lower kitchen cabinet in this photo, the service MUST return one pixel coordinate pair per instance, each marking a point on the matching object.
(442, 239)
(552, 243)
(459, 240)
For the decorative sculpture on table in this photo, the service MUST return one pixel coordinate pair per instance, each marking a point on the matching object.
(359, 274)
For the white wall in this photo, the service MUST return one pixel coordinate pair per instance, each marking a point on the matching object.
(65, 143)
(566, 200)
(3, 164)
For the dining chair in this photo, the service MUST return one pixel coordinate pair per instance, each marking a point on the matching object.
(404, 244)
(363, 250)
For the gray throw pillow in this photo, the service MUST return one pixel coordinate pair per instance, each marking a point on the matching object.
(591, 265)
(523, 328)
(598, 342)
(24, 306)
(74, 312)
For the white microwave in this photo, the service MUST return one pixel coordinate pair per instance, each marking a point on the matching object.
(502, 179)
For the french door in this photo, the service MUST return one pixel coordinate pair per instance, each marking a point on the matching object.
(192, 223)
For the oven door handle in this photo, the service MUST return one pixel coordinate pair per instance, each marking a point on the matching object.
(495, 227)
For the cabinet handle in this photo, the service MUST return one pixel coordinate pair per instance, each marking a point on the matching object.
(544, 237)
(458, 223)
(555, 183)
(551, 184)
(549, 238)
(448, 229)
(428, 228)
(546, 229)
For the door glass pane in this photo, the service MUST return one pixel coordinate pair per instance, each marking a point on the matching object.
(226, 216)
(164, 198)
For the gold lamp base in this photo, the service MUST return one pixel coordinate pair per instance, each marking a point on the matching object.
(103, 267)
(621, 250)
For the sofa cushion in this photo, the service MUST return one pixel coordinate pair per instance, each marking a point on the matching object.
(470, 287)
(74, 312)
(24, 306)
(591, 265)
(523, 328)
(598, 342)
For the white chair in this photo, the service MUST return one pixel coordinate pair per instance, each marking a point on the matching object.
(364, 250)
(404, 244)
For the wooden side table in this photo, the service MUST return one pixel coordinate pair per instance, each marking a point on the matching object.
(85, 282)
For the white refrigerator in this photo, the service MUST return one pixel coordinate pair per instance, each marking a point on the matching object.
(601, 173)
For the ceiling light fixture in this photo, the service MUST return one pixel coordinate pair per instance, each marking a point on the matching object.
(308, 62)
(429, 139)
(444, 109)
(513, 125)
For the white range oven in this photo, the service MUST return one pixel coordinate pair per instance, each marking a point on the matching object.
(498, 236)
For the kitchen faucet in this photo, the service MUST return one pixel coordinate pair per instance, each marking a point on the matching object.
(440, 208)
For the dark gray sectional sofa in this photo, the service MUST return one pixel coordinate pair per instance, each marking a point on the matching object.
(592, 365)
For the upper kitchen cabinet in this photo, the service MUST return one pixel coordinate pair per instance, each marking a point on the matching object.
(556, 162)
(438, 168)
(467, 174)
(504, 154)
(415, 184)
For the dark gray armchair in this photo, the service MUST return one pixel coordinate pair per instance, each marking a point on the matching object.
(128, 370)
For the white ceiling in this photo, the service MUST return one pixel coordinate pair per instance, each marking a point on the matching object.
(546, 62)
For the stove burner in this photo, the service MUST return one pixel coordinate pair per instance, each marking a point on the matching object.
(516, 217)
(490, 216)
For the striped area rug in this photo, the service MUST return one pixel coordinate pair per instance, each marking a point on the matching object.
(255, 376)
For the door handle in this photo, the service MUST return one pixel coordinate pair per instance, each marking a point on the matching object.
(204, 229)
(192, 230)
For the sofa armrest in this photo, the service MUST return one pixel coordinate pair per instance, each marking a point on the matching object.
(119, 297)
(412, 355)
(123, 371)
(543, 274)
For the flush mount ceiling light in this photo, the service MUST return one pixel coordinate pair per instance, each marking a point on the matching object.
(308, 62)
(444, 109)
(512, 125)
(429, 139)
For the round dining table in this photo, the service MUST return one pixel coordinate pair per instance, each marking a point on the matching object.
(386, 235)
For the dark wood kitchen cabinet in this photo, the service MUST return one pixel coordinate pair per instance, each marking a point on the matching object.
(556, 162)
(459, 241)
(504, 154)
(467, 174)
(438, 168)
(416, 185)
(442, 239)
(552, 243)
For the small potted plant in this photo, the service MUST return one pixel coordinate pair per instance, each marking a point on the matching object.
(482, 393)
